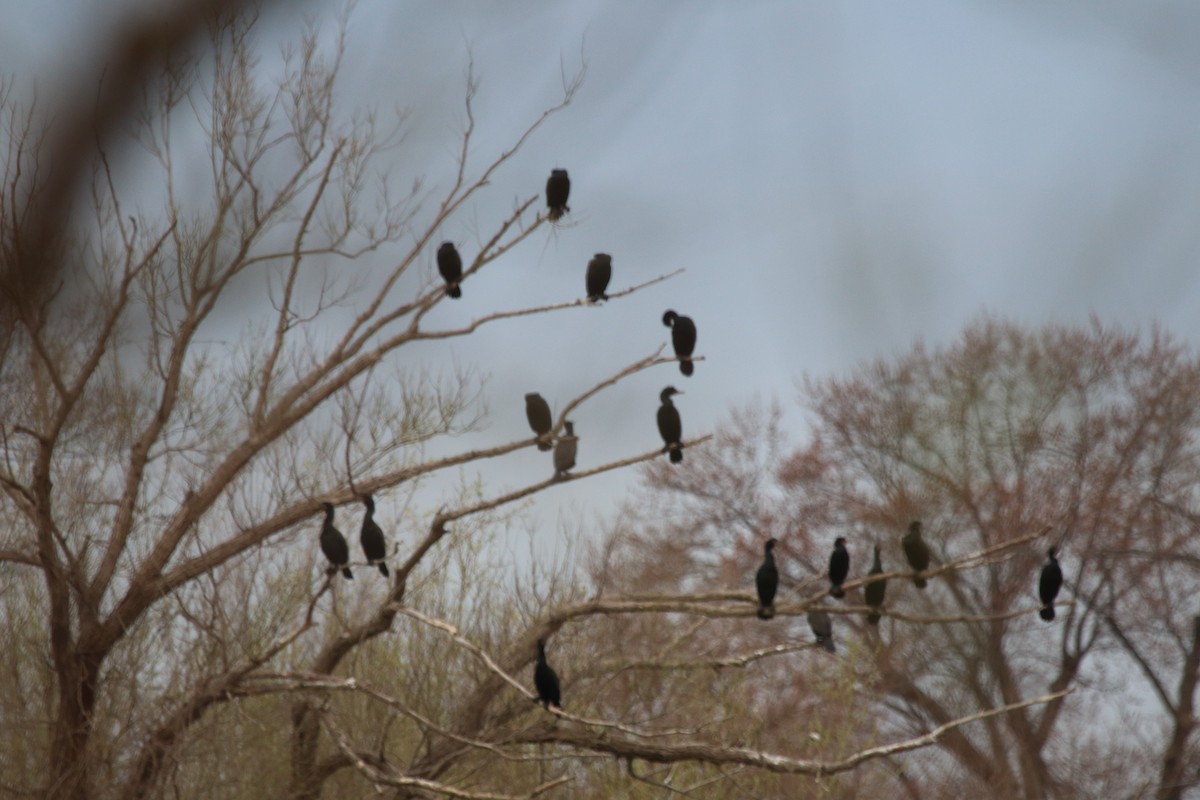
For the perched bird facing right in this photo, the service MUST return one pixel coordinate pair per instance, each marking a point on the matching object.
(333, 544)
(839, 567)
(670, 427)
(558, 189)
(564, 451)
(917, 552)
(766, 580)
(1049, 584)
(822, 628)
(683, 338)
(373, 544)
(599, 273)
(537, 411)
(874, 590)
(545, 680)
(450, 266)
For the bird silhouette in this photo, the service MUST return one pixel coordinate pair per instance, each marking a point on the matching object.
(537, 411)
(374, 546)
(599, 273)
(564, 450)
(558, 189)
(333, 544)
(1049, 584)
(670, 427)
(545, 680)
(766, 580)
(450, 265)
(822, 628)
(917, 552)
(874, 590)
(839, 567)
(683, 338)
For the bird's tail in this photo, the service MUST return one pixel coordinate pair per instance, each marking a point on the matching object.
(555, 214)
(1047, 613)
(545, 445)
(873, 618)
(686, 366)
(453, 290)
(383, 568)
(827, 643)
(920, 582)
(766, 612)
(838, 592)
(346, 571)
(676, 454)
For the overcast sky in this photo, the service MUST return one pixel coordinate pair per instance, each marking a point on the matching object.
(837, 179)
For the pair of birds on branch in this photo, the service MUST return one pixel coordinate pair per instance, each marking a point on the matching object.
(537, 411)
(374, 546)
(766, 581)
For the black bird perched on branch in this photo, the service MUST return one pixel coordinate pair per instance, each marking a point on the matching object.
(839, 567)
(564, 451)
(558, 189)
(1050, 583)
(683, 338)
(822, 628)
(545, 680)
(599, 273)
(373, 544)
(917, 552)
(333, 544)
(874, 591)
(766, 580)
(450, 265)
(670, 427)
(537, 411)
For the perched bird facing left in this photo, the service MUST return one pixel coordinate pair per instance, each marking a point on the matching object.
(822, 628)
(839, 567)
(537, 411)
(670, 426)
(450, 265)
(564, 451)
(558, 189)
(373, 544)
(917, 552)
(599, 273)
(766, 581)
(333, 544)
(545, 680)
(1049, 584)
(683, 339)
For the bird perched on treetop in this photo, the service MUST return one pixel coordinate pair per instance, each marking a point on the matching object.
(874, 591)
(839, 567)
(450, 265)
(917, 552)
(558, 189)
(537, 411)
(822, 628)
(374, 546)
(766, 581)
(333, 544)
(1049, 584)
(683, 338)
(670, 427)
(564, 451)
(545, 680)
(599, 273)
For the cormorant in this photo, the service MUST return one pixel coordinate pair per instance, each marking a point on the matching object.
(874, 591)
(558, 189)
(683, 338)
(766, 580)
(333, 544)
(537, 411)
(822, 628)
(599, 273)
(1049, 585)
(670, 427)
(564, 451)
(545, 680)
(917, 552)
(373, 544)
(450, 265)
(839, 567)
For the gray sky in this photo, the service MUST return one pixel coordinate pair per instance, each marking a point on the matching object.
(837, 179)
